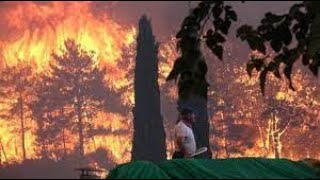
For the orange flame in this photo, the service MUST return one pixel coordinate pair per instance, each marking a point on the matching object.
(35, 30)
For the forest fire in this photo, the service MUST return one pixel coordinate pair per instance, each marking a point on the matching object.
(31, 32)
(40, 30)
(35, 31)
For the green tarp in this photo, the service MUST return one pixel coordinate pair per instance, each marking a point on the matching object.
(237, 168)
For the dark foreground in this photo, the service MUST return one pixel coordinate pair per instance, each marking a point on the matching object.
(238, 168)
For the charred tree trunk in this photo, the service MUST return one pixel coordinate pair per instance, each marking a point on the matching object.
(22, 125)
(63, 134)
(15, 146)
(149, 141)
(64, 142)
(89, 118)
(3, 152)
(80, 128)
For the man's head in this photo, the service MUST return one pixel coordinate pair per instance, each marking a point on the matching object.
(187, 115)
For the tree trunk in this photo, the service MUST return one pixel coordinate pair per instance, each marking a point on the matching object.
(190, 70)
(64, 142)
(262, 137)
(314, 42)
(269, 136)
(94, 143)
(90, 127)
(15, 146)
(137, 141)
(224, 131)
(273, 129)
(80, 128)
(276, 148)
(278, 135)
(4, 152)
(63, 134)
(23, 143)
(201, 127)
(275, 137)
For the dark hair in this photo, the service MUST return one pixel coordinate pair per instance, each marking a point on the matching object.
(186, 111)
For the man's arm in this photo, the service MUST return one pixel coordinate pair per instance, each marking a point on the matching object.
(181, 143)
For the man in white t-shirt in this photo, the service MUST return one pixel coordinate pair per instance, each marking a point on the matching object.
(185, 144)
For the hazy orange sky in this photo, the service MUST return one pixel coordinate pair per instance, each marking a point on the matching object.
(168, 15)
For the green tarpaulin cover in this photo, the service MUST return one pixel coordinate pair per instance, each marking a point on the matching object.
(237, 168)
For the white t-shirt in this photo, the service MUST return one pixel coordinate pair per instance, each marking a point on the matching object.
(186, 133)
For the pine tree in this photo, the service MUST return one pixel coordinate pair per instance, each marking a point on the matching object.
(73, 89)
(15, 91)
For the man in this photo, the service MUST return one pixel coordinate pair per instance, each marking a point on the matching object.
(185, 143)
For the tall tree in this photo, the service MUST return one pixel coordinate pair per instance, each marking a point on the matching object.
(71, 93)
(302, 21)
(149, 135)
(15, 89)
(190, 70)
(292, 35)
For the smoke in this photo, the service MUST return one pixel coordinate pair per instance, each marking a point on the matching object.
(128, 12)
(166, 18)
(167, 15)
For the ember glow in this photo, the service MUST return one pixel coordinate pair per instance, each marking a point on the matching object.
(38, 30)
(31, 32)
(35, 31)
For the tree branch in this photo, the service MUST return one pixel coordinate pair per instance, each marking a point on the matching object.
(285, 129)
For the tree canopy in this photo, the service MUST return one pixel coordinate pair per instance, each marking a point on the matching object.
(292, 36)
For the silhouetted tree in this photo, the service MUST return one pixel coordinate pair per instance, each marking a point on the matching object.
(190, 70)
(73, 89)
(149, 135)
(302, 21)
(15, 90)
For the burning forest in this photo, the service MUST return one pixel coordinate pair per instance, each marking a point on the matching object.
(67, 93)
